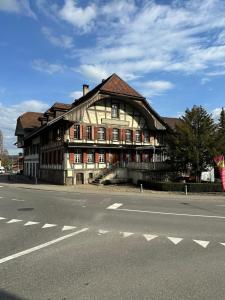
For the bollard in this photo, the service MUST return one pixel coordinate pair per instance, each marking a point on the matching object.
(141, 188)
(35, 180)
(185, 189)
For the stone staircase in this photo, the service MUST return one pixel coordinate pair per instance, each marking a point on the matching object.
(100, 178)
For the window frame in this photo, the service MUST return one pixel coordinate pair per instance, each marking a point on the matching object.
(115, 111)
(101, 156)
(76, 134)
(115, 134)
(78, 156)
(128, 132)
(101, 133)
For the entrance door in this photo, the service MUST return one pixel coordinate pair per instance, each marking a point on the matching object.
(115, 157)
(79, 178)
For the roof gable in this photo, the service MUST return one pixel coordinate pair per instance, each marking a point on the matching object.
(114, 84)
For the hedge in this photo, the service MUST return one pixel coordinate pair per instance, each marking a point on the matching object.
(180, 186)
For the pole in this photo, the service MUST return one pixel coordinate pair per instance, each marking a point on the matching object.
(141, 188)
(185, 187)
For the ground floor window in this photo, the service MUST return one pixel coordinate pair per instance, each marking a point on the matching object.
(90, 156)
(101, 156)
(78, 156)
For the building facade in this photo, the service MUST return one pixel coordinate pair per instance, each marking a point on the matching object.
(110, 127)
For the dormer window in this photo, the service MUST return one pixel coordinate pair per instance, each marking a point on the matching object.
(115, 111)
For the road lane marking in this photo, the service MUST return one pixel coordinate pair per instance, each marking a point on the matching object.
(31, 223)
(149, 237)
(101, 231)
(10, 257)
(204, 244)
(126, 234)
(222, 244)
(2, 218)
(47, 225)
(1, 197)
(14, 221)
(114, 206)
(14, 199)
(68, 228)
(174, 240)
(1, 186)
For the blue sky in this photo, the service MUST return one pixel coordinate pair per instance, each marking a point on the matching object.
(172, 52)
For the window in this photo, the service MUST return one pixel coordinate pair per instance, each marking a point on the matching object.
(101, 133)
(115, 134)
(160, 138)
(128, 135)
(115, 111)
(146, 136)
(138, 135)
(76, 132)
(89, 133)
(78, 156)
(90, 156)
(101, 156)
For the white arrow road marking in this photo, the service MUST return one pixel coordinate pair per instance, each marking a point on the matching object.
(31, 223)
(100, 232)
(14, 221)
(174, 239)
(2, 218)
(204, 244)
(149, 237)
(222, 244)
(41, 246)
(1, 186)
(48, 225)
(115, 206)
(126, 234)
(68, 228)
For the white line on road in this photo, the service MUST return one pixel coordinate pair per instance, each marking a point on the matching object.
(5, 259)
(101, 231)
(29, 223)
(204, 244)
(116, 205)
(174, 240)
(17, 199)
(14, 221)
(126, 234)
(149, 237)
(48, 225)
(68, 228)
(2, 218)
(1, 186)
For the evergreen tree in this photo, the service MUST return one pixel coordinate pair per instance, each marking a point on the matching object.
(193, 144)
(221, 133)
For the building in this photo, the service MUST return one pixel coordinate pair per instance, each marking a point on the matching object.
(110, 131)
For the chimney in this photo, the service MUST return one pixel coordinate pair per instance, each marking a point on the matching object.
(85, 89)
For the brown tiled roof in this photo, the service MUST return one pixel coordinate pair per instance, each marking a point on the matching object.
(59, 106)
(171, 122)
(29, 120)
(113, 84)
(116, 85)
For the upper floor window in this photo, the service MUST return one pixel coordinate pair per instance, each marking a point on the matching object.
(138, 135)
(101, 133)
(89, 133)
(76, 132)
(78, 156)
(115, 111)
(146, 136)
(128, 135)
(115, 134)
(160, 138)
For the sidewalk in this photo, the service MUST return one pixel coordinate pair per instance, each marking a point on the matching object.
(24, 183)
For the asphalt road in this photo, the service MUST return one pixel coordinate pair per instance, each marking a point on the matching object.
(63, 245)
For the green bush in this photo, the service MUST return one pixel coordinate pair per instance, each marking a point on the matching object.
(180, 186)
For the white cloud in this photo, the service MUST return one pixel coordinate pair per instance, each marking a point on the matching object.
(75, 94)
(216, 113)
(9, 115)
(17, 6)
(46, 67)
(62, 41)
(95, 73)
(78, 16)
(153, 88)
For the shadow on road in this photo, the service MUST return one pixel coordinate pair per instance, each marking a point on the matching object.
(7, 296)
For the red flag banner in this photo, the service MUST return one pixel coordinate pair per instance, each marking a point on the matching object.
(219, 160)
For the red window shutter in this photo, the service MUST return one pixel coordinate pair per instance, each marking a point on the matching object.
(107, 134)
(84, 133)
(71, 157)
(95, 133)
(142, 136)
(107, 157)
(134, 136)
(110, 134)
(96, 157)
(84, 156)
(122, 133)
(72, 133)
(81, 132)
(133, 156)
